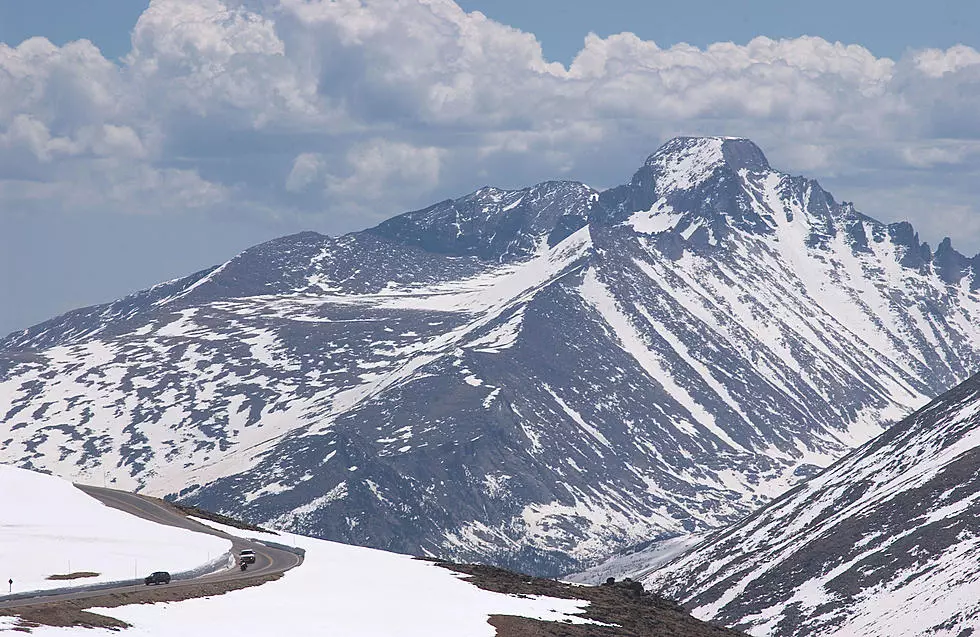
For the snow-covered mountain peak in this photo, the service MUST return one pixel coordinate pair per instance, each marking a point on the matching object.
(684, 163)
(701, 189)
(698, 193)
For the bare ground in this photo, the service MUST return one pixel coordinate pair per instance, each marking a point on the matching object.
(633, 613)
(75, 575)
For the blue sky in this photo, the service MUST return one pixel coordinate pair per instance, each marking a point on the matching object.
(235, 121)
(886, 28)
(106, 22)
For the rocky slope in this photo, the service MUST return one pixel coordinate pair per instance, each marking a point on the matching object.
(886, 542)
(532, 377)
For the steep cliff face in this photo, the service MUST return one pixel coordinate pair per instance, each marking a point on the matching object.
(532, 377)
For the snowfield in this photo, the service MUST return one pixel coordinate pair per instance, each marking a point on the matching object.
(339, 590)
(349, 591)
(48, 527)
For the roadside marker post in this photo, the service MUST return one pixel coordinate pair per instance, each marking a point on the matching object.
(10, 584)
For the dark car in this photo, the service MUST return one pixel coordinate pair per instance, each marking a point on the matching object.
(160, 577)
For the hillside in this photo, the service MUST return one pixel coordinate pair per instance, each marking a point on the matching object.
(886, 542)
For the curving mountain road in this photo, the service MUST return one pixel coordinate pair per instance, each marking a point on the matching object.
(270, 558)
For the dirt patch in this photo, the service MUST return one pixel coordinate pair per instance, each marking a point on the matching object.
(632, 611)
(75, 575)
(62, 615)
(73, 613)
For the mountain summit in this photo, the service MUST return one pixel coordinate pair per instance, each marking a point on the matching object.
(531, 377)
(684, 162)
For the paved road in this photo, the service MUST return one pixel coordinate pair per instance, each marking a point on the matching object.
(269, 560)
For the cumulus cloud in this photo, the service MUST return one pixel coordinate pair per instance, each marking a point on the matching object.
(379, 165)
(317, 108)
(937, 153)
(937, 63)
(307, 168)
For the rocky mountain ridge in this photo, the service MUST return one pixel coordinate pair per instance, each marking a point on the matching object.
(531, 378)
(884, 542)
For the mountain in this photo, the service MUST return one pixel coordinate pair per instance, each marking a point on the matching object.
(531, 377)
(883, 543)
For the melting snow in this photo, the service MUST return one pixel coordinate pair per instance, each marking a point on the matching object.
(342, 591)
(48, 527)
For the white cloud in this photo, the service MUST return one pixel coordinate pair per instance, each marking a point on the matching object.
(936, 62)
(110, 140)
(28, 134)
(938, 153)
(66, 87)
(113, 184)
(378, 166)
(307, 168)
(206, 58)
(312, 106)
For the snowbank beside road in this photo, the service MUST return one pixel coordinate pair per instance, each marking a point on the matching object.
(48, 527)
(341, 591)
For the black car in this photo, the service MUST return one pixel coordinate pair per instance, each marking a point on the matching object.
(160, 577)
